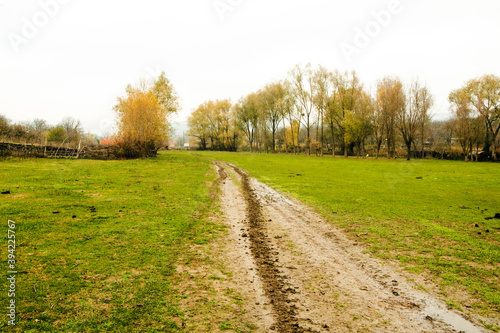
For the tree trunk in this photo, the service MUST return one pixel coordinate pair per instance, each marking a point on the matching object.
(322, 135)
(274, 144)
(494, 152)
(388, 148)
(333, 140)
(308, 140)
(408, 146)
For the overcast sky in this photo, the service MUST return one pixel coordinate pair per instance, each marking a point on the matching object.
(73, 57)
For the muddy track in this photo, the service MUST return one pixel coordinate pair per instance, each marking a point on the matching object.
(307, 276)
(266, 257)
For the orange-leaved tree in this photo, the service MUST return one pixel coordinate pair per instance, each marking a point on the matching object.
(143, 118)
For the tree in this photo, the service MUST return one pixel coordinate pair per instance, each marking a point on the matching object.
(390, 101)
(247, 115)
(219, 116)
(18, 131)
(4, 127)
(426, 101)
(166, 95)
(72, 128)
(215, 122)
(358, 122)
(143, 118)
(303, 89)
(40, 128)
(199, 126)
(272, 101)
(409, 119)
(462, 122)
(346, 93)
(484, 95)
(322, 91)
(378, 127)
(292, 113)
(56, 134)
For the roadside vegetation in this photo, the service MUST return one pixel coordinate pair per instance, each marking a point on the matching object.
(434, 217)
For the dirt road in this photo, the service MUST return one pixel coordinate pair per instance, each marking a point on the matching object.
(301, 274)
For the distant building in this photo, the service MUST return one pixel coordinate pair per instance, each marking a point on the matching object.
(186, 145)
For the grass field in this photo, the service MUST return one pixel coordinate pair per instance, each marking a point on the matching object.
(98, 244)
(422, 213)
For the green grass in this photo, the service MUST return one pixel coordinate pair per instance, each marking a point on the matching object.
(138, 255)
(422, 212)
(107, 261)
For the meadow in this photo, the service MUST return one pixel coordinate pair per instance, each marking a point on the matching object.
(100, 244)
(433, 217)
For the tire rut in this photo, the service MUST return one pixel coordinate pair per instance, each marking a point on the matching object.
(275, 286)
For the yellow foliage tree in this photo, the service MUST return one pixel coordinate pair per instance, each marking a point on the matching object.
(143, 118)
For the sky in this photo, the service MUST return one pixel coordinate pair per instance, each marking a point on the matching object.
(61, 58)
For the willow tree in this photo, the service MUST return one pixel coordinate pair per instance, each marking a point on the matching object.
(272, 103)
(199, 126)
(302, 81)
(247, 117)
(143, 117)
(464, 121)
(322, 92)
(390, 101)
(409, 119)
(484, 96)
(343, 100)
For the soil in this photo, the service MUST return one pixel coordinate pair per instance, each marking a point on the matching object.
(299, 273)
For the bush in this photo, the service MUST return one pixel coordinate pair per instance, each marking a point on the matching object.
(134, 149)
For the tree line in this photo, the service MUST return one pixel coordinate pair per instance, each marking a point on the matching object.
(68, 131)
(143, 123)
(319, 111)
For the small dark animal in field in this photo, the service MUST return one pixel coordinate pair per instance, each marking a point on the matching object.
(6, 192)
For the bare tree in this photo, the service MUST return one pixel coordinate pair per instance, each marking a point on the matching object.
(323, 90)
(73, 129)
(303, 85)
(409, 119)
(40, 127)
(247, 115)
(272, 101)
(390, 101)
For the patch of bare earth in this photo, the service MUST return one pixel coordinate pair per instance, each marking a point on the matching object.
(299, 273)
